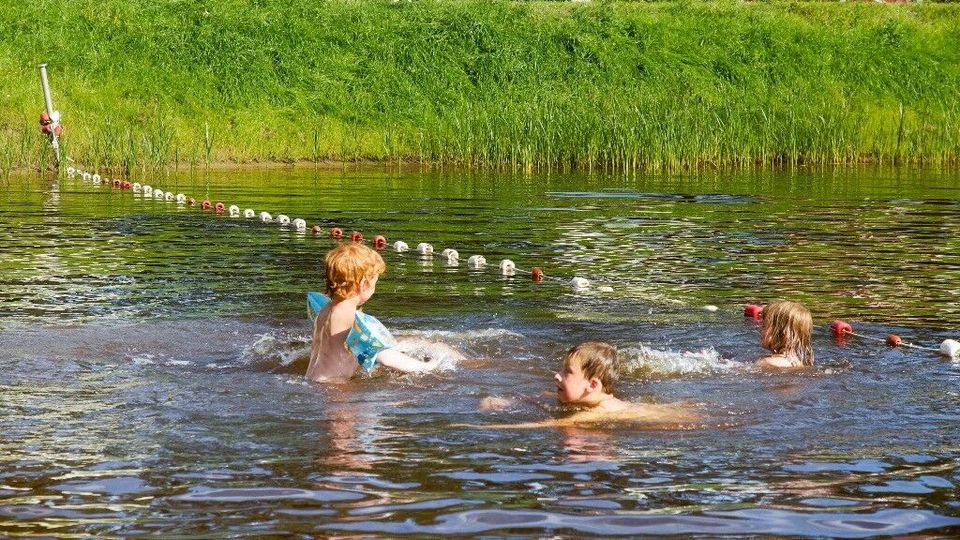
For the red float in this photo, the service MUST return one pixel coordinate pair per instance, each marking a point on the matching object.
(379, 242)
(316, 229)
(752, 311)
(116, 183)
(44, 118)
(336, 232)
(218, 208)
(894, 340)
(355, 236)
(536, 274)
(841, 328)
(205, 204)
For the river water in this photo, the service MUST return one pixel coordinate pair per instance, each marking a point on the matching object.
(153, 356)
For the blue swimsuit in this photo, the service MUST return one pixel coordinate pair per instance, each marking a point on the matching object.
(367, 337)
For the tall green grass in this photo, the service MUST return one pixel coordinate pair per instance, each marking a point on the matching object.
(486, 84)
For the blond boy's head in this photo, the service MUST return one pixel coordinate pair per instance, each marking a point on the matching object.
(347, 266)
(596, 359)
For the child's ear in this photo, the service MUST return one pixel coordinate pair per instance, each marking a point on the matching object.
(595, 384)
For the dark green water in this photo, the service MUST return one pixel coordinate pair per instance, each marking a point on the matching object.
(153, 356)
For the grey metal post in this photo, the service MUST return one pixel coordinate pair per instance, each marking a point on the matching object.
(53, 114)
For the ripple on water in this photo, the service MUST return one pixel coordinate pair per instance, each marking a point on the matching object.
(919, 486)
(261, 494)
(859, 466)
(572, 468)
(752, 521)
(831, 502)
(107, 486)
(433, 504)
(366, 480)
(495, 477)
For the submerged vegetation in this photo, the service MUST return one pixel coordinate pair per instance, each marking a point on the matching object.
(613, 85)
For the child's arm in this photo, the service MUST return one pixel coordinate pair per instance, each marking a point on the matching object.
(395, 359)
(672, 416)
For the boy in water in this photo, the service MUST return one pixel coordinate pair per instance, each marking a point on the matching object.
(587, 378)
(340, 341)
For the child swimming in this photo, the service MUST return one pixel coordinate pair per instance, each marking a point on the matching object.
(589, 372)
(785, 331)
(344, 339)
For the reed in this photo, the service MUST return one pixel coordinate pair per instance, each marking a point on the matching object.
(486, 84)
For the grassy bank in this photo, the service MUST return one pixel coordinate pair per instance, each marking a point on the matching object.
(626, 85)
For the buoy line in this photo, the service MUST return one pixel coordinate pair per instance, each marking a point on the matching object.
(507, 267)
(52, 128)
(842, 329)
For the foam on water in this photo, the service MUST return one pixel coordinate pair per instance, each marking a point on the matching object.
(276, 349)
(290, 352)
(483, 334)
(643, 360)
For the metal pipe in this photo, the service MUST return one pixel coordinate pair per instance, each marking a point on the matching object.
(45, 84)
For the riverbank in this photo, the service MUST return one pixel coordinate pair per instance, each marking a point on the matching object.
(485, 84)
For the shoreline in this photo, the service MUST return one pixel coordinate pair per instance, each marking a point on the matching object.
(480, 85)
(414, 167)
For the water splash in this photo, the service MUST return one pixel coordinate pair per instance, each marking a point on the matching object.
(646, 361)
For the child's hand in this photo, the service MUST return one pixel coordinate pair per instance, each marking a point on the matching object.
(494, 403)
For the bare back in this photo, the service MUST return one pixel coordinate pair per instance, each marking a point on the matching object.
(330, 359)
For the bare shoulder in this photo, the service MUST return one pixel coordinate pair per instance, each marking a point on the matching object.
(779, 363)
(341, 317)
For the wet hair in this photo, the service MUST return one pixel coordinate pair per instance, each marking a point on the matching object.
(786, 330)
(349, 264)
(596, 359)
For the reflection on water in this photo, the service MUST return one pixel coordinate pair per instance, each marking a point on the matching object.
(152, 358)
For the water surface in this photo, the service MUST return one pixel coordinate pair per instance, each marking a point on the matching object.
(153, 357)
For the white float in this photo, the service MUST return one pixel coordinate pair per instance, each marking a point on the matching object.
(950, 348)
(168, 196)
(147, 191)
(96, 179)
(300, 225)
(181, 198)
(234, 210)
(424, 248)
(137, 188)
(158, 194)
(86, 176)
(476, 261)
(580, 283)
(266, 217)
(70, 172)
(400, 246)
(450, 255)
(283, 220)
(249, 213)
(507, 267)
(710, 307)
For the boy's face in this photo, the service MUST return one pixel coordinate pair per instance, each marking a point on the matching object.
(368, 286)
(572, 385)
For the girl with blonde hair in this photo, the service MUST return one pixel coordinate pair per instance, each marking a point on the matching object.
(785, 331)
